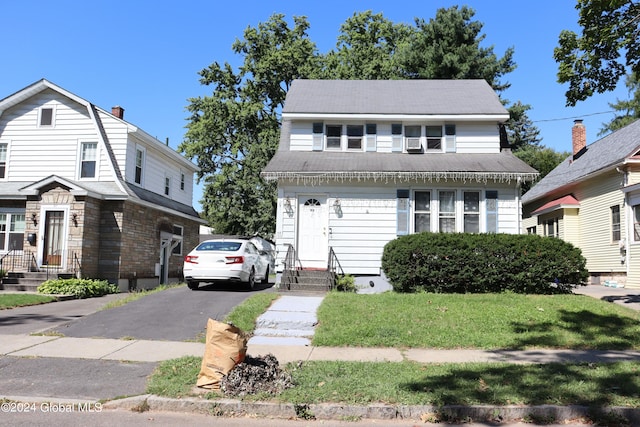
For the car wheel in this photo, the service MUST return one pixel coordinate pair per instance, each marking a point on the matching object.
(252, 279)
(192, 285)
(265, 281)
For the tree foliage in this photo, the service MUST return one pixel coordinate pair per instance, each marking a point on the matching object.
(593, 62)
(233, 133)
(541, 158)
(628, 110)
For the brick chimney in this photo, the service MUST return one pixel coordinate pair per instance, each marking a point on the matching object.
(579, 138)
(118, 111)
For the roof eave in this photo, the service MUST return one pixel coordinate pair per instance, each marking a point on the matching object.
(378, 116)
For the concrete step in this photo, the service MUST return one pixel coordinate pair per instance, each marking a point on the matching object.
(265, 340)
(274, 332)
(287, 320)
(23, 287)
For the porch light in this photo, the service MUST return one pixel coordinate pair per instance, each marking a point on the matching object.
(287, 206)
(34, 219)
(337, 207)
(74, 219)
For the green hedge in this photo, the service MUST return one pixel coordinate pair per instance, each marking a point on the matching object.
(80, 288)
(479, 263)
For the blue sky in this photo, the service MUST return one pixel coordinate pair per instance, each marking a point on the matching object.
(145, 55)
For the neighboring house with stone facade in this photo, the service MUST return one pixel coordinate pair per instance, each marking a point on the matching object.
(84, 192)
(592, 200)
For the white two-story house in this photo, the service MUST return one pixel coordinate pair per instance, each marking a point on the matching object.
(362, 162)
(84, 191)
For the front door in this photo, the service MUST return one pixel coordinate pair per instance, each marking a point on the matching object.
(313, 218)
(53, 238)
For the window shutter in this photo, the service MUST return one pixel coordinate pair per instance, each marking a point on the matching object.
(402, 212)
(317, 142)
(371, 143)
(396, 144)
(491, 203)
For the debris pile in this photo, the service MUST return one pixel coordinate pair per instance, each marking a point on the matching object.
(254, 375)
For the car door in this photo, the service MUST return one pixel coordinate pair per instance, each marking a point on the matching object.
(256, 259)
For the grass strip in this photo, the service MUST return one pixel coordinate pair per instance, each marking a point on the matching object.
(410, 383)
(21, 300)
(484, 321)
(244, 315)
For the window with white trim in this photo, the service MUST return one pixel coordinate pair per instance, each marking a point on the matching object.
(88, 155)
(412, 136)
(615, 223)
(354, 137)
(471, 217)
(422, 215)
(12, 226)
(334, 137)
(434, 137)
(139, 166)
(447, 211)
(551, 227)
(4, 148)
(46, 117)
(167, 185)
(491, 209)
(636, 223)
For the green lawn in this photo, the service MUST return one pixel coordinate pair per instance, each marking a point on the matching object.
(485, 321)
(20, 300)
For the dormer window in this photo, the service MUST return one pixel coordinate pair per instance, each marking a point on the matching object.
(45, 117)
(334, 136)
(88, 157)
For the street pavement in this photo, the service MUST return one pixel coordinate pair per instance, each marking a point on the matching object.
(89, 369)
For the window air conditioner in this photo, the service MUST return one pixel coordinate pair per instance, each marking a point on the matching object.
(413, 144)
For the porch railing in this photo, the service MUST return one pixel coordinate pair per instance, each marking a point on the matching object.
(20, 261)
(291, 265)
(333, 268)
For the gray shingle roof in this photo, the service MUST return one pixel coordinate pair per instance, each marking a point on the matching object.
(600, 156)
(305, 162)
(451, 97)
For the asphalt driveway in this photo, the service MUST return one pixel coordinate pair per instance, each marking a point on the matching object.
(175, 314)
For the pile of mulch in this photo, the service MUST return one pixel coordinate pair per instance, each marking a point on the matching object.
(255, 375)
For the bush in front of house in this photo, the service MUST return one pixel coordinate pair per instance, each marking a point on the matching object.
(480, 263)
(79, 288)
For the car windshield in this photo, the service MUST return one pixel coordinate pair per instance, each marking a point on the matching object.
(219, 246)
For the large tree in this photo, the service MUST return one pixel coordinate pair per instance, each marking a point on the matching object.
(608, 47)
(233, 133)
(627, 110)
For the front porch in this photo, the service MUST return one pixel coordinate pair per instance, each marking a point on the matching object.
(21, 271)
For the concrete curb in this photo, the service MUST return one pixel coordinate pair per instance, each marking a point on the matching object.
(334, 411)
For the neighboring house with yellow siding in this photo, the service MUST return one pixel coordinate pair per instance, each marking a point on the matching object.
(592, 200)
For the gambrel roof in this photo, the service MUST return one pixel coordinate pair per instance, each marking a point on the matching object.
(603, 155)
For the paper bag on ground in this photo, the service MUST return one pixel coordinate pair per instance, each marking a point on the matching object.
(225, 347)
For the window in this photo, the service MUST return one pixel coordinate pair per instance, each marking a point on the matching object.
(615, 223)
(491, 208)
(396, 129)
(45, 118)
(139, 164)
(317, 127)
(532, 230)
(177, 234)
(422, 216)
(471, 211)
(182, 181)
(354, 137)
(371, 129)
(12, 226)
(412, 135)
(447, 211)
(317, 136)
(551, 227)
(434, 137)
(167, 185)
(636, 223)
(88, 159)
(450, 138)
(334, 136)
(3, 159)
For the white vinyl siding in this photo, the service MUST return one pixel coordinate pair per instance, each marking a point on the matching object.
(469, 137)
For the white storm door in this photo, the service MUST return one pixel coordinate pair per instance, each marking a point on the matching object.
(313, 220)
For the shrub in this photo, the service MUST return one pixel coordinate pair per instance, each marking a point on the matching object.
(461, 263)
(346, 283)
(80, 288)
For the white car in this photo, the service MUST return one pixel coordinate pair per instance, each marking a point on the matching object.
(235, 260)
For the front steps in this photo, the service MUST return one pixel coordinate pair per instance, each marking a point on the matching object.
(28, 281)
(316, 280)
